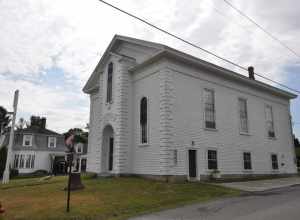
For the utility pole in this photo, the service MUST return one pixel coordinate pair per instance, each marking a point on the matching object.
(11, 140)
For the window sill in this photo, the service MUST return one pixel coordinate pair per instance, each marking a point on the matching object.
(245, 134)
(272, 138)
(247, 171)
(108, 103)
(144, 145)
(275, 171)
(211, 129)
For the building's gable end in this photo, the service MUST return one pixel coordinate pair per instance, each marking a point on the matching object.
(131, 48)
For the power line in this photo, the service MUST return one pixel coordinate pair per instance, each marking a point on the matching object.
(193, 45)
(261, 28)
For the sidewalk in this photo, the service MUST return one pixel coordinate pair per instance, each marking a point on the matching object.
(262, 185)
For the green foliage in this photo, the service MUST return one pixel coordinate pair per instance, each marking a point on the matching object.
(4, 119)
(80, 136)
(3, 154)
(296, 142)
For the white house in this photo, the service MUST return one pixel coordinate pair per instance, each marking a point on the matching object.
(161, 113)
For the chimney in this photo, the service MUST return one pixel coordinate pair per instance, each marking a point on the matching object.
(43, 123)
(251, 72)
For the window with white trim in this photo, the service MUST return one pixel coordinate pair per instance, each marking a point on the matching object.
(24, 161)
(32, 161)
(51, 142)
(27, 140)
(16, 161)
(247, 161)
(110, 70)
(274, 161)
(212, 160)
(21, 163)
(243, 115)
(175, 157)
(28, 161)
(209, 108)
(79, 148)
(270, 121)
(144, 120)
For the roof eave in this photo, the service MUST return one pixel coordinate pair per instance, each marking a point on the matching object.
(171, 53)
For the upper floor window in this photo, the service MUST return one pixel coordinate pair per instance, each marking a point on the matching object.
(27, 140)
(274, 160)
(143, 120)
(243, 115)
(109, 82)
(209, 114)
(212, 160)
(270, 121)
(51, 142)
(247, 161)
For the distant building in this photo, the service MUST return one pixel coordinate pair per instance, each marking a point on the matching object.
(37, 148)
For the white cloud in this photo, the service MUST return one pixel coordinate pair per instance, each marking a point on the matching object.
(72, 34)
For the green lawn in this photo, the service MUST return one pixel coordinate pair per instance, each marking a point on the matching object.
(112, 198)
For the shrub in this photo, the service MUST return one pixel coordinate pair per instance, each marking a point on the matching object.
(39, 173)
(13, 173)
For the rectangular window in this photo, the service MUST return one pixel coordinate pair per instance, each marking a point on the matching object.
(21, 163)
(27, 140)
(51, 142)
(247, 161)
(32, 161)
(274, 160)
(209, 105)
(16, 161)
(175, 157)
(79, 147)
(212, 160)
(243, 115)
(28, 161)
(270, 121)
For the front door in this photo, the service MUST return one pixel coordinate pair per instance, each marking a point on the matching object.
(110, 153)
(192, 164)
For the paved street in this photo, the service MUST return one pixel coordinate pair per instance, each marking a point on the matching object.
(276, 204)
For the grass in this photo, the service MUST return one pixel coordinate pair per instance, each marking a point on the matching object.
(113, 198)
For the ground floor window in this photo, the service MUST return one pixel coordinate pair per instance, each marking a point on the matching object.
(274, 160)
(212, 160)
(247, 161)
(24, 161)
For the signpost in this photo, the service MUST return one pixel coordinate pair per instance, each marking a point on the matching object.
(11, 140)
(70, 145)
(74, 181)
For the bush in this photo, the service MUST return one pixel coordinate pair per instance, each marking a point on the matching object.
(13, 173)
(39, 173)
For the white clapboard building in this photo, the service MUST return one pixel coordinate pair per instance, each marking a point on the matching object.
(161, 113)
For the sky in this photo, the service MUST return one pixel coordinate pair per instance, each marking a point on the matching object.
(49, 48)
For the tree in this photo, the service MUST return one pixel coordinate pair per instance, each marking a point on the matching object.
(4, 119)
(22, 123)
(79, 135)
(296, 142)
(3, 154)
